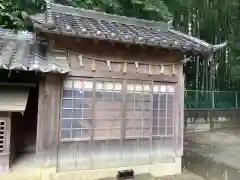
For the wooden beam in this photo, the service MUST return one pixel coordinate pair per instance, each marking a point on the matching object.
(120, 75)
(17, 84)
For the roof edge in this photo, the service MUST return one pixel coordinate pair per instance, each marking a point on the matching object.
(191, 38)
(209, 46)
(218, 47)
(19, 35)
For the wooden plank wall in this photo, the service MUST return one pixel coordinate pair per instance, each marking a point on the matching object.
(116, 51)
(49, 103)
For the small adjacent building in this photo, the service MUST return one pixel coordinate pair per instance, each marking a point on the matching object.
(106, 93)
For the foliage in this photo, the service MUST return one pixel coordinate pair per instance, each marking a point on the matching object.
(215, 22)
(145, 9)
(10, 15)
(10, 12)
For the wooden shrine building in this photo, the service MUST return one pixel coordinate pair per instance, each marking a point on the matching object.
(106, 92)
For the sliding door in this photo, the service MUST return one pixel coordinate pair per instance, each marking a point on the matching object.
(115, 123)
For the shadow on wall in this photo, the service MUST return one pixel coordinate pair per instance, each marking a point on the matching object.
(24, 128)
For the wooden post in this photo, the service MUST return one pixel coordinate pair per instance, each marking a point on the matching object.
(41, 115)
(151, 125)
(236, 99)
(124, 115)
(213, 100)
(93, 124)
(49, 105)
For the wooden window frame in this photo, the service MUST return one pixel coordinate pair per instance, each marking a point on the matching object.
(166, 110)
(123, 123)
(72, 108)
(114, 82)
(135, 92)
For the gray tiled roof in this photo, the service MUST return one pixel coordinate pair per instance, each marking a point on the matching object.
(70, 21)
(23, 52)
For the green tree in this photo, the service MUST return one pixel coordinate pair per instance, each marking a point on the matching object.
(10, 15)
(215, 22)
(145, 9)
(11, 10)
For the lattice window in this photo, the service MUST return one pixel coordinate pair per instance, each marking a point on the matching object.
(108, 112)
(138, 112)
(163, 110)
(76, 120)
(144, 102)
(2, 134)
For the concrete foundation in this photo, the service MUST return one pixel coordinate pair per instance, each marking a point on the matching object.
(155, 170)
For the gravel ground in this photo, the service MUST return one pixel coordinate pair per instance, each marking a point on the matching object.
(184, 176)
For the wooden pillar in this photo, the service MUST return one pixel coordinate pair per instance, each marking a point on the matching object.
(179, 114)
(41, 116)
(49, 104)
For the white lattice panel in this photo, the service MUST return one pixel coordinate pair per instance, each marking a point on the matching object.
(2, 134)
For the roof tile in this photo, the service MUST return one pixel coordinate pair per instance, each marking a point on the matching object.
(24, 52)
(97, 25)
